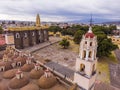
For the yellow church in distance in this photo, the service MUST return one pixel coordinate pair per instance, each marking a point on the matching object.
(22, 37)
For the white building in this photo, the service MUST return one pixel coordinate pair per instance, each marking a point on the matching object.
(85, 74)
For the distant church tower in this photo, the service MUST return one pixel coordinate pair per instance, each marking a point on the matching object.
(86, 63)
(38, 21)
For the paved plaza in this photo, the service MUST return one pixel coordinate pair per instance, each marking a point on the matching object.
(37, 47)
(115, 75)
(55, 53)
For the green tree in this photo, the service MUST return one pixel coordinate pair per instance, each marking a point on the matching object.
(54, 29)
(78, 36)
(1, 30)
(64, 43)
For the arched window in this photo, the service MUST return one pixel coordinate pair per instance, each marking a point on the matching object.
(90, 43)
(33, 33)
(84, 54)
(82, 67)
(90, 54)
(17, 35)
(25, 35)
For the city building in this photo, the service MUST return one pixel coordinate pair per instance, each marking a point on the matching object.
(22, 37)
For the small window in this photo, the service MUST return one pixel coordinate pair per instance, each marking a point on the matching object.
(90, 43)
(82, 67)
(33, 34)
(25, 34)
(17, 35)
(85, 42)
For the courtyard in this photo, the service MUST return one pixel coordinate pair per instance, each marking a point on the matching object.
(67, 58)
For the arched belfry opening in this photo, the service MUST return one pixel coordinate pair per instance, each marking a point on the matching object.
(84, 54)
(91, 43)
(90, 54)
(82, 67)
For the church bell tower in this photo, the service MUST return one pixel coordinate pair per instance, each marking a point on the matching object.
(86, 63)
(38, 21)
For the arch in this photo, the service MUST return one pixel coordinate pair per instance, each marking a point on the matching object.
(90, 54)
(17, 35)
(91, 43)
(33, 33)
(84, 54)
(25, 35)
(82, 67)
(85, 42)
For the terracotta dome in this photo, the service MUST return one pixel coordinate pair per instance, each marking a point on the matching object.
(91, 35)
(46, 83)
(27, 67)
(6, 64)
(9, 74)
(36, 74)
(30, 87)
(3, 86)
(18, 83)
(21, 59)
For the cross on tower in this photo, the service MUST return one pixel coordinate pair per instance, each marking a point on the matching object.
(91, 20)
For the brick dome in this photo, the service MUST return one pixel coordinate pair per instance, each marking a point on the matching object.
(89, 34)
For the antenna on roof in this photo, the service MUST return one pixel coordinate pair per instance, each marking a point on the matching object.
(91, 20)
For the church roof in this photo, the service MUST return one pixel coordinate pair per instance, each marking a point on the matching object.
(36, 74)
(30, 86)
(47, 82)
(9, 74)
(18, 83)
(27, 28)
(89, 34)
(27, 67)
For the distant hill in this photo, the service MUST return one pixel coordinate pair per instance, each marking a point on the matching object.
(113, 22)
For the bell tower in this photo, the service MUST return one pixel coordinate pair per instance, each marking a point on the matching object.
(86, 63)
(38, 21)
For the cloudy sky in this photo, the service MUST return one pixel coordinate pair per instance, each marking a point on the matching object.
(60, 10)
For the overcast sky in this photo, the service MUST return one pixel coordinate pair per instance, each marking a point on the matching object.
(60, 10)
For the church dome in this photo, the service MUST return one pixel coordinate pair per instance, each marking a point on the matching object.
(36, 74)
(7, 65)
(47, 82)
(21, 59)
(87, 35)
(9, 74)
(27, 67)
(18, 83)
(30, 87)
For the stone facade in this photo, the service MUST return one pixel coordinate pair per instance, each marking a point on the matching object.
(28, 36)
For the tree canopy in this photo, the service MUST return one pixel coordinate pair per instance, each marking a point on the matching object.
(64, 43)
(1, 30)
(54, 29)
(78, 36)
